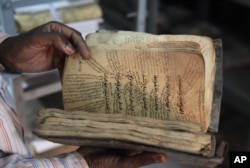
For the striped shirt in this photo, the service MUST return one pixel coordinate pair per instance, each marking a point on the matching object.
(13, 152)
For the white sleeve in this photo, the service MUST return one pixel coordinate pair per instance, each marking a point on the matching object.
(71, 160)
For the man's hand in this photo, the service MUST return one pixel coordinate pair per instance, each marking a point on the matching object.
(43, 48)
(120, 159)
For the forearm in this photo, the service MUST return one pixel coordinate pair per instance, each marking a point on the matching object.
(71, 160)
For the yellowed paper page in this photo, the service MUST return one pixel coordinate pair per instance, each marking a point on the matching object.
(136, 39)
(152, 83)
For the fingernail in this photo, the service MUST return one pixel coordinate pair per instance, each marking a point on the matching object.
(86, 55)
(70, 49)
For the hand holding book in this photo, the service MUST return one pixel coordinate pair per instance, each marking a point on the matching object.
(155, 92)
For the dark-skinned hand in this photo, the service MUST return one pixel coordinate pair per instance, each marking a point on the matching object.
(41, 49)
(98, 158)
(45, 48)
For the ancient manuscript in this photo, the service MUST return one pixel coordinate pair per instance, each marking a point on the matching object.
(149, 89)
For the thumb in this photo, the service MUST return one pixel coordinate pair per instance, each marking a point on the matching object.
(57, 40)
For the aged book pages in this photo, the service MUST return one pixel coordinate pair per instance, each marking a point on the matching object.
(161, 77)
(153, 90)
(80, 124)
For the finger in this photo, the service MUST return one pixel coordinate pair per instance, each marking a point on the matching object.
(72, 35)
(80, 45)
(144, 159)
(56, 40)
(62, 44)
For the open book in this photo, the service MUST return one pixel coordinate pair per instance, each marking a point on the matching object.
(153, 91)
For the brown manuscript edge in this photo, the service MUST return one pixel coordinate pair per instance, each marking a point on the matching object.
(218, 84)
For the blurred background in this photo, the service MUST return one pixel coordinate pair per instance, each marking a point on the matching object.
(228, 20)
